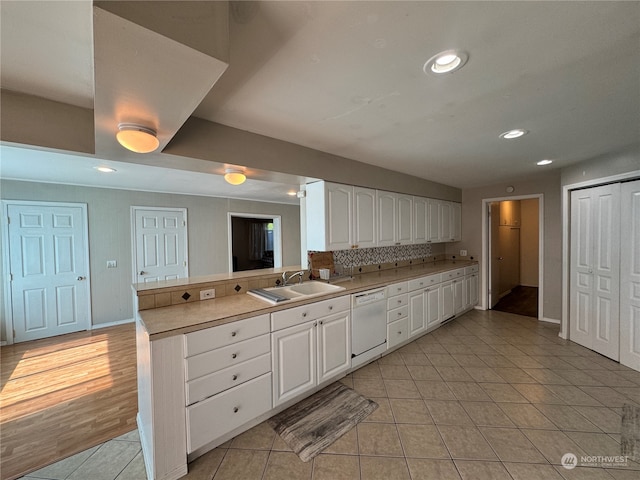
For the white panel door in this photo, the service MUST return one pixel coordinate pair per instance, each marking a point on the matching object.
(405, 220)
(160, 237)
(365, 218)
(447, 309)
(48, 252)
(445, 222)
(433, 215)
(387, 219)
(630, 275)
(417, 318)
(456, 221)
(432, 305)
(420, 222)
(334, 345)
(340, 211)
(595, 269)
(293, 353)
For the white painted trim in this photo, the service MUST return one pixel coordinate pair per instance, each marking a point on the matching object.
(277, 236)
(484, 266)
(6, 261)
(134, 259)
(550, 320)
(112, 324)
(565, 201)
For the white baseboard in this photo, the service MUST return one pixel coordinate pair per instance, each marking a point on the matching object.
(525, 285)
(3, 343)
(550, 320)
(112, 324)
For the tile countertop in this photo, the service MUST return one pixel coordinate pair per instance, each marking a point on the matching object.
(179, 319)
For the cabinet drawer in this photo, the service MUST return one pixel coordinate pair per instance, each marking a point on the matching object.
(397, 314)
(212, 418)
(451, 274)
(216, 382)
(312, 311)
(397, 289)
(397, 301)
(397, 332)
(224, 357)
(211, 338)
(471, 269)
(418, 283)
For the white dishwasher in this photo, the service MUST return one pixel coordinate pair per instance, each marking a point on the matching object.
(368, 325)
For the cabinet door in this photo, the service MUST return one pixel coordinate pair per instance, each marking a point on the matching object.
(294, 361)
(458, 296)
(339, 209)
(387, 219)
(432, 306)
(433, 216)
(405, 220)
(417, 322)
(365, 218)
(473, 290)
(445, 221)
(420, 220)
(446, 300)
(334, 346)
(456, 222)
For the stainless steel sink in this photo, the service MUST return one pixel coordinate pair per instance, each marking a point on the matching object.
(301, 291)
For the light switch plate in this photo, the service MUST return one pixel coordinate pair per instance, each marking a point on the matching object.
(112, 264)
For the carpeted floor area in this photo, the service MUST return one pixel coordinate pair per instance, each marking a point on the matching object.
(521, 301)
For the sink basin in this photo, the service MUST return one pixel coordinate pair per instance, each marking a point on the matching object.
(301, 291)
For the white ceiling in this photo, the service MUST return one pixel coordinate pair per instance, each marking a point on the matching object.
(346, 78)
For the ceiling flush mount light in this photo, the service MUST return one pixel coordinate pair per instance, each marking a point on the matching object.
(515, 133)
(137, 138)
(234, 177)
(446, 62)
(104, 169)
(544, 162)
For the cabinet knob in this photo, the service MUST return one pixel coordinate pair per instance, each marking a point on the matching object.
(233, 355)
(399, 289)
(321, 322)
(235, 377)
(330, 307)
(399, 301)
(233, 334)
(304, 314)
(235, 409)
(315, 324)
(400, 332)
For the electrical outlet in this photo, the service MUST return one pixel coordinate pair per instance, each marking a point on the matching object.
(112, 264)
(463, 253)
(207, 294)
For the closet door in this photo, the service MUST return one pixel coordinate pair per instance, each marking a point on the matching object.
(595, 269)
(630, 275)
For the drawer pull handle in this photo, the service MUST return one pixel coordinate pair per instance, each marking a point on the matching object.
(234, 355)
(330, 307)
(399, 301)
(399, 289)
(233, 334)
(235, 377)
(235, 409)
(399, 314)
(304, 314)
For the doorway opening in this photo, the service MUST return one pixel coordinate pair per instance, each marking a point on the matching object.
(255, 242)
(513, 241)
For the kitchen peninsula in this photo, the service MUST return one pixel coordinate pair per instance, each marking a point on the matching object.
(209, 370)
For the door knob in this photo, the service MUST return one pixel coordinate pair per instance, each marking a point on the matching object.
(81, 278)
(500, 258)
(142, 272)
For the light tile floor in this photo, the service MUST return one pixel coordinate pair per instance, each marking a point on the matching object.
(489, 396)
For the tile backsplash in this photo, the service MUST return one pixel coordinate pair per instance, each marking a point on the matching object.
(379, 255)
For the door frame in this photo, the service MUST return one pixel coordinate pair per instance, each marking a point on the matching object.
(277, 236)
(565, 201)
(134, 253)
(484, 267)
(6, 260)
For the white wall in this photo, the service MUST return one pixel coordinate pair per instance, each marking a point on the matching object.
(110, 235)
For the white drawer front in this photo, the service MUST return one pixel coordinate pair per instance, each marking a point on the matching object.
(451, 274)
(397, 289)
(214, 383)
(397, 332)
(211, 418)
(312, 311)
(397, 301)
(224, 357)
(205, 340)
(423, 282)
(471, 269)
(397, 314)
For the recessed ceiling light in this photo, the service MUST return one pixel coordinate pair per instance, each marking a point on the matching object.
(515, 133)
(446, 62)
(292, 194)
(105, 169)
(544, 162)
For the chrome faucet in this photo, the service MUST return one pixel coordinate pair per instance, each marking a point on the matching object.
(286, 280)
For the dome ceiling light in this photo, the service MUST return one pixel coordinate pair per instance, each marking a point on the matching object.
(446, 62)
(137, 138)
(515, 133)
(234, 176)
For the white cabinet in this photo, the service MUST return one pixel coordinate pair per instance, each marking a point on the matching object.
(446, 300)
(471, 290)
(459, 296)
(397, 332)
(417, 318)
(329, 208)
(310, 345)
(444, 220)
(405, 220)
(432, 305)
(365, 218)
(397, 314)
(433, 215)
(387, 218)
(420, 220)
(456, 221)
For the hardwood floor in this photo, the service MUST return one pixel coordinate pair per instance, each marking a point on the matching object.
(64, 394)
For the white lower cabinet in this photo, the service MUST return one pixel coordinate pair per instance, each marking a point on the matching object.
(432, 305)
(446, 300)
(397, 332)
(417, 317)
(471, 290)
(459, 296)
(308, 354)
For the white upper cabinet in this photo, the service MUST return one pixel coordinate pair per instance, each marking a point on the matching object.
(404, 218)
(364, 217)
(456, 221)
(420, 220)
(387, 218)
(444, 220)
(329, 216)
(433, 216)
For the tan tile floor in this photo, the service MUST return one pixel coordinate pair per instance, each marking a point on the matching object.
(489, 396)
